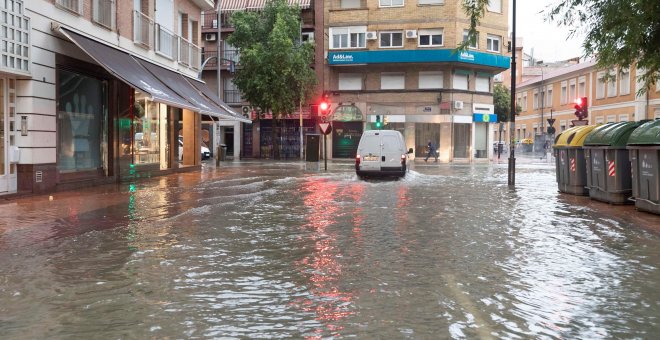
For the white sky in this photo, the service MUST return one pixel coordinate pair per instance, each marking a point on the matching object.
(550, 42)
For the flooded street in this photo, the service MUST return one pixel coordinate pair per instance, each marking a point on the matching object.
(272, 250)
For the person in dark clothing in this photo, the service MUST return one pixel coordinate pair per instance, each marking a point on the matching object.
(432, 151)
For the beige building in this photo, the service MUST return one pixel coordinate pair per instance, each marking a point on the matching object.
(393, 61)
(612, 98)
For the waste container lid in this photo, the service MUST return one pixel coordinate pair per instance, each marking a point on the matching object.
(614, 134)
(574, 136)
(647, 134)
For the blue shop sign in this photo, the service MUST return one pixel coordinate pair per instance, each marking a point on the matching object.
(484, 118)
(417, 56)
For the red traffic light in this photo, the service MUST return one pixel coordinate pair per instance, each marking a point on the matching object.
(324, 106)
(581, 108)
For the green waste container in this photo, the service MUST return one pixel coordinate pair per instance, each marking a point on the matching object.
(607, 162)
(569, 160)
(644, 147)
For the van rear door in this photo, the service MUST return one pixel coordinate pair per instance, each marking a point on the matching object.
(370, 150)
(391, 152)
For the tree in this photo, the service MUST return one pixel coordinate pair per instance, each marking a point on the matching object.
(274, 72)
(502, 101)
(618, 32)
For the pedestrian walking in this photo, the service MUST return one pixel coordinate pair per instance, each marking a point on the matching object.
(432, 151)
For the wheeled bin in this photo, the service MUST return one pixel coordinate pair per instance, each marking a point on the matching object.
(608, 164)
(644, 147)
(569, 160)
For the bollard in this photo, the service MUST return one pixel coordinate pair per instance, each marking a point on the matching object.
(217, 156)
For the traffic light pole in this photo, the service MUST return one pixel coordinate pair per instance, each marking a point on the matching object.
(325, 151)
(512, 156)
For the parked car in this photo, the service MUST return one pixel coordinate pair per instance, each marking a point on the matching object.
(206, 153)
(382, 153)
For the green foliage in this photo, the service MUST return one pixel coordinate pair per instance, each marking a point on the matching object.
(618, 32)
(502, 102)
(474, 10)
(274, 72)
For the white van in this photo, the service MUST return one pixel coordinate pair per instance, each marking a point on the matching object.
(382, 153)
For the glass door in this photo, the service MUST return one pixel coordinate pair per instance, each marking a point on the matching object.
(7, 139)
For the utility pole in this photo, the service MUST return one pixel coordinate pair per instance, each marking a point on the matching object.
(512, 157)
(219, 70)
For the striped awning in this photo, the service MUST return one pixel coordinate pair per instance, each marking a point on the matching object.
(255, 5)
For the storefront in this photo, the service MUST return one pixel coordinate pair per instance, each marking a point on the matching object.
(347, 128)
(8, 149)
(258, 137)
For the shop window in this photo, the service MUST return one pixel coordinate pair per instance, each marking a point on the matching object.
(146, 131)
(82, 122)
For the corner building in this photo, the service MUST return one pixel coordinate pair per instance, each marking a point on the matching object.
(100, 91)
(395, 59)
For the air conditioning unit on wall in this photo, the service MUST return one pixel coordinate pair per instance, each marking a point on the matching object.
(458, 105)
(411, 34)
(209, 36)
(371, 35)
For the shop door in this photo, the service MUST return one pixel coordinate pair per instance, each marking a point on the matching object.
(345, 139)
(461, 140)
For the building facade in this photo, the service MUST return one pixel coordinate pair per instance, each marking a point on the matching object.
(394, 61)
(101, 91)
(610, 98)
(252, 140)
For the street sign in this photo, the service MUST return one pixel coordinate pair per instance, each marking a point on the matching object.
(551, 121)
(325, 128)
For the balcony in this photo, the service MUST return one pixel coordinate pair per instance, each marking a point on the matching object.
(228, 56)
(232, 97)
(103, 13)
(164, 42)
(210, 21)
(75, 6)
(143, 30)
(15, 41)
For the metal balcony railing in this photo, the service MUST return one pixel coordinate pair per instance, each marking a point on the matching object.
(232, 96)
(103, 12)
(231, 54)
(213, 63)
(72, 5)
(166, 42)
(209, 20)
(189, 54)
(143, 29)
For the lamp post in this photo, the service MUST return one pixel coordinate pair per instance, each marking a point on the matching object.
(512, 157)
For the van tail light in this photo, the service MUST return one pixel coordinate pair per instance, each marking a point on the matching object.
(403, 159)
(358, 159)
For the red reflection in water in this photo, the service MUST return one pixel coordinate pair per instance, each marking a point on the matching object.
(327, 301)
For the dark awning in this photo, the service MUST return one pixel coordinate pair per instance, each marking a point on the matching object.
(214, 98)
(124, 67)
(180, 85)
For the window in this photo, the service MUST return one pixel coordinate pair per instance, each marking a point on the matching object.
(582, 87)
(482, 83)
(391, 39)
(563, 95)
(430, 2)
(390, 3)
(611, 118)
(519, 100)
(536, 100)
(475, 44)
(348, 37)
(431, 80)
(572, 93)
(625, 82)
(103, 12)
(600, 85)
(562, 126)
(146, 130)
(548, 99)
(82, 129)
(430, 37)
(350, 4)
(600, 120)
(623, 118)
(350, 81)
(72, 5)
(611, 85)
(495, 6)
(493, 43)
(524, 101)
(392, 81)
(460, 81)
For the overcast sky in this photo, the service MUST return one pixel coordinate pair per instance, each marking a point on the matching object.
(550, 43)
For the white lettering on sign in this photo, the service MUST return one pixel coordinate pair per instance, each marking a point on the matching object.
(466, 56)
(342, 57)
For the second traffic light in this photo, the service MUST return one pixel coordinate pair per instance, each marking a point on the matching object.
(581, 108)
(379, 123)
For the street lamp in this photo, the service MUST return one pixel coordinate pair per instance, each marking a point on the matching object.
(512, 157)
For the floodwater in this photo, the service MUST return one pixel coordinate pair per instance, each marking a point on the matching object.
(274, 250)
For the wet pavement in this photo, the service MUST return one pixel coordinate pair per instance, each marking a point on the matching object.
(275, 250)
